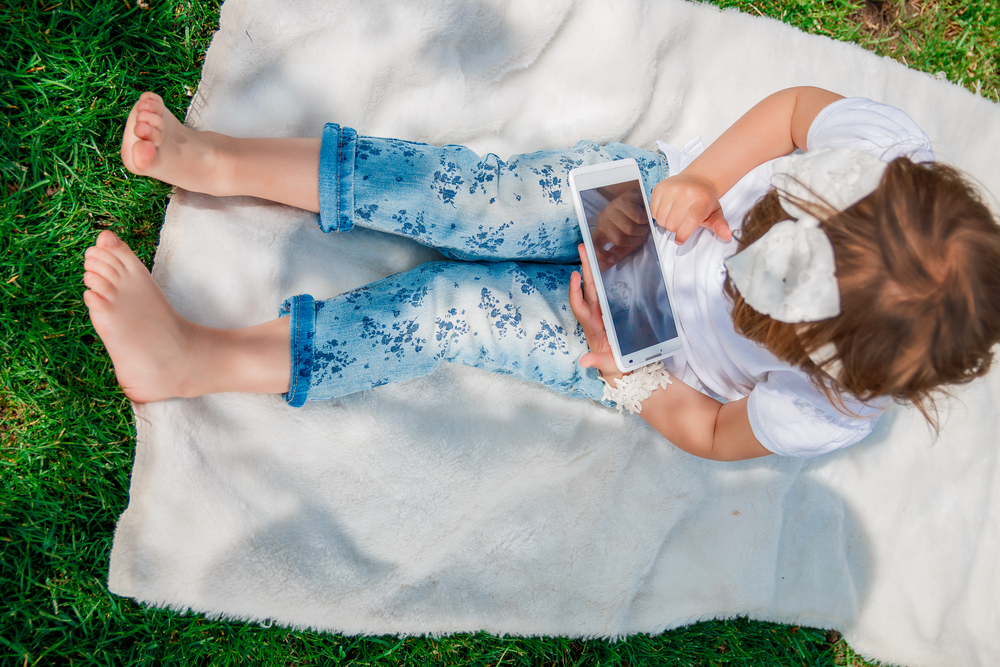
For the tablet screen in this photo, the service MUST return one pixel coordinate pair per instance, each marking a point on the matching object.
(630, 270)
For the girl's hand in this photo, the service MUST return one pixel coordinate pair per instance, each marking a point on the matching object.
(684, 202)
(587, 310)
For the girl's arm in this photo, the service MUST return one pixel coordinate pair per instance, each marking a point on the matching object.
(686, 417)
(776, 126)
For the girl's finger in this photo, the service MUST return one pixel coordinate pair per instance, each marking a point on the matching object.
(591, 360)
(662, 213)
(719, 225)
(675, 220)
(697, 215)
(658, 196)
(688, 227)
(655, 196)
(576, 302)
(593, 326)
(590, 291)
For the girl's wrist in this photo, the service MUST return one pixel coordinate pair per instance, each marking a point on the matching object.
(628, 391)
(615, 375)
(707, 177)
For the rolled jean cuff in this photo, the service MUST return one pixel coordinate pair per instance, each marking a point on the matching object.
(336, 178)
(301, 330)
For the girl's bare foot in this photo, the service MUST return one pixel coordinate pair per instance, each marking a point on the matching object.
(158, 354)
(150, 345)
(157, 145)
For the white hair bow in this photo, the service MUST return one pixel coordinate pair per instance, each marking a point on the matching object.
(789, 273)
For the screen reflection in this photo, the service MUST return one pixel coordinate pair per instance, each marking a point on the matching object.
(630, 270)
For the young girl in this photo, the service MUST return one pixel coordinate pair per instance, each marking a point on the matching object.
(872, 275)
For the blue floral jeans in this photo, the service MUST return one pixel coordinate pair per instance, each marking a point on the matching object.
(500, 303)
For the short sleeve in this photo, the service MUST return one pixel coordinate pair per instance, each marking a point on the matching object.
(879, 129)
(791, 417)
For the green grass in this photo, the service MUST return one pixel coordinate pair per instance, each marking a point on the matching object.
(955, 39)
(69, 71)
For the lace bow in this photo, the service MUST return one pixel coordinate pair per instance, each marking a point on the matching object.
(789, 273)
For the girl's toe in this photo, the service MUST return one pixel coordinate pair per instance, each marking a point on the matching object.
(154, 120)
(143, 130)
(143, 154)
(105, 256)
(149, 132)
(94, 301)
(102, 268)
(147, 102)
(107, 239)
(99, 284)
(124, 254)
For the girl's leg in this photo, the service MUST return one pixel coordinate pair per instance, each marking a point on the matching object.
(158, 354)
(508, 318)
(446, 197)
(157, 145)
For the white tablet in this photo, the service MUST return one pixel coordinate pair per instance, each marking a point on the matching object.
(618, 234)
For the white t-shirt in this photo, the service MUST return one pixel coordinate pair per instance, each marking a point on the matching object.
(788, 414)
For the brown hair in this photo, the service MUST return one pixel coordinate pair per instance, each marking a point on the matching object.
(918, 262)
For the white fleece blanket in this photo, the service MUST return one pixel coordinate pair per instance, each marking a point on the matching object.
(467, 501)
